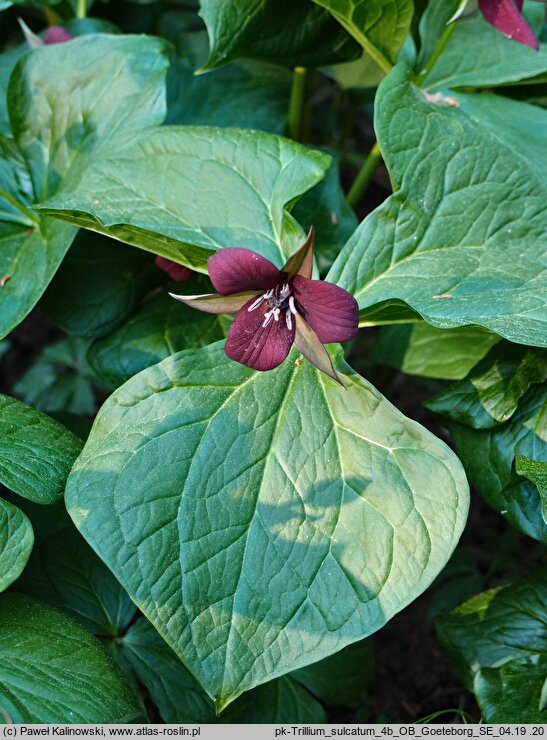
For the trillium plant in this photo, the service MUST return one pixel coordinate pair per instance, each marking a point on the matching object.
(272, 362)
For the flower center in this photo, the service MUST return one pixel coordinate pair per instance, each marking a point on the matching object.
(279, 299)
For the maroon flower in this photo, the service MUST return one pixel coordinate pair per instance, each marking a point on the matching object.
(57, 35)
(504, 15)
(277, 308)
(175, 271)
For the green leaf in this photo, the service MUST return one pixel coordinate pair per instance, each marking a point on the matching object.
(160, 328)
(536, 471)
(380, 27)
(16, 540)
(490, 394)
(185, 192)
(65, 572)
(488, 456)
(61, 380)
(477, 55)
(341, 679)
(244, 511)
(421, 349)
(98, 286)
(282, 701)
(287, 32)
(244, 94)
(53, 671)
(440, 242)
(512, 692)
(8, 60)
(68, 102)
(326, 209)
(497, 626)
(36, 452)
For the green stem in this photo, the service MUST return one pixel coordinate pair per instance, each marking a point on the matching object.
(443, 41)
(296, 104)
(81, 9)
(366, 173)
(21, 208)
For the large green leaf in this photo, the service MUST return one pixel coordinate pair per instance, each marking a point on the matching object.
(421, 349)
(513, 692)
(160, 328)
(490, 394)
(98, 286)
(53, 671)
(287, 32)
(36, 452)
(16, 540)
(488, 456)
(478, 55)
(184, 192)
(497, 626)
(536, 471)
(379, 26)
(65, 572)
(263, 521)
(282, 701)
(441, 243)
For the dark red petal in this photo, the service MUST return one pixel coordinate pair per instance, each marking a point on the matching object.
(234, 269)
(57, 35)
(505, 16)
(301, 262)
(175, 271)
(213, 303)
(257, 347)
(331, 311)
(307, 342)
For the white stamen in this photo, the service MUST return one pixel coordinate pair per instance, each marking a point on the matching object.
(288, 320)
(276, 311)
(292, 307)
(256, 304)
(268, 317)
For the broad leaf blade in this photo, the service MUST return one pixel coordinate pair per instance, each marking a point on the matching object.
(513, 692)
(184, 192)
(332, 527)
(536, 471)
(16, 540)
(450, 158)
(36, 452)
(53, 671)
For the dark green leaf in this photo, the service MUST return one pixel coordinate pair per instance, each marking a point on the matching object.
(421, 349)
(513, 692)
(65, 572)
(53, 671)
(536, 471)
(16, 540)
(441, 243)
(160, 328)
(497, 626)
(287, 32)
(281, 701)
(478, 55)
(490, 394)
(243, 511)
(184, 192)
(488, 456)
(36, 452)
(98, 286)
(380, 27)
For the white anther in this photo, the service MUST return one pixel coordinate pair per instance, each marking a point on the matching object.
(288, 320)
(276, 311)
(256, 303)
(292, 307)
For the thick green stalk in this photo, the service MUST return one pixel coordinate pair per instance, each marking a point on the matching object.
(21, 208)
(81, 9)
(296, 104)
(366, 173)
(443, 41)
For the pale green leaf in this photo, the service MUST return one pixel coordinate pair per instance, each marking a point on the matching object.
(184, 192)
(441, 243)
(53, 671)
(16, 540)
(263, 521)
(513, 692)
(36, 452)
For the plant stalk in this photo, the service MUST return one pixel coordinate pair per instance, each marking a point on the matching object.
(443, 41)
(296, 104)
(19, 206)
(81, 9)
(365, 175)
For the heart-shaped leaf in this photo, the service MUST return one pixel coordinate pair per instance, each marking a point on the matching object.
(184, 192)
(449, 157)
(16, 540)
(53, 671)
(263, 521)
(36, 452)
